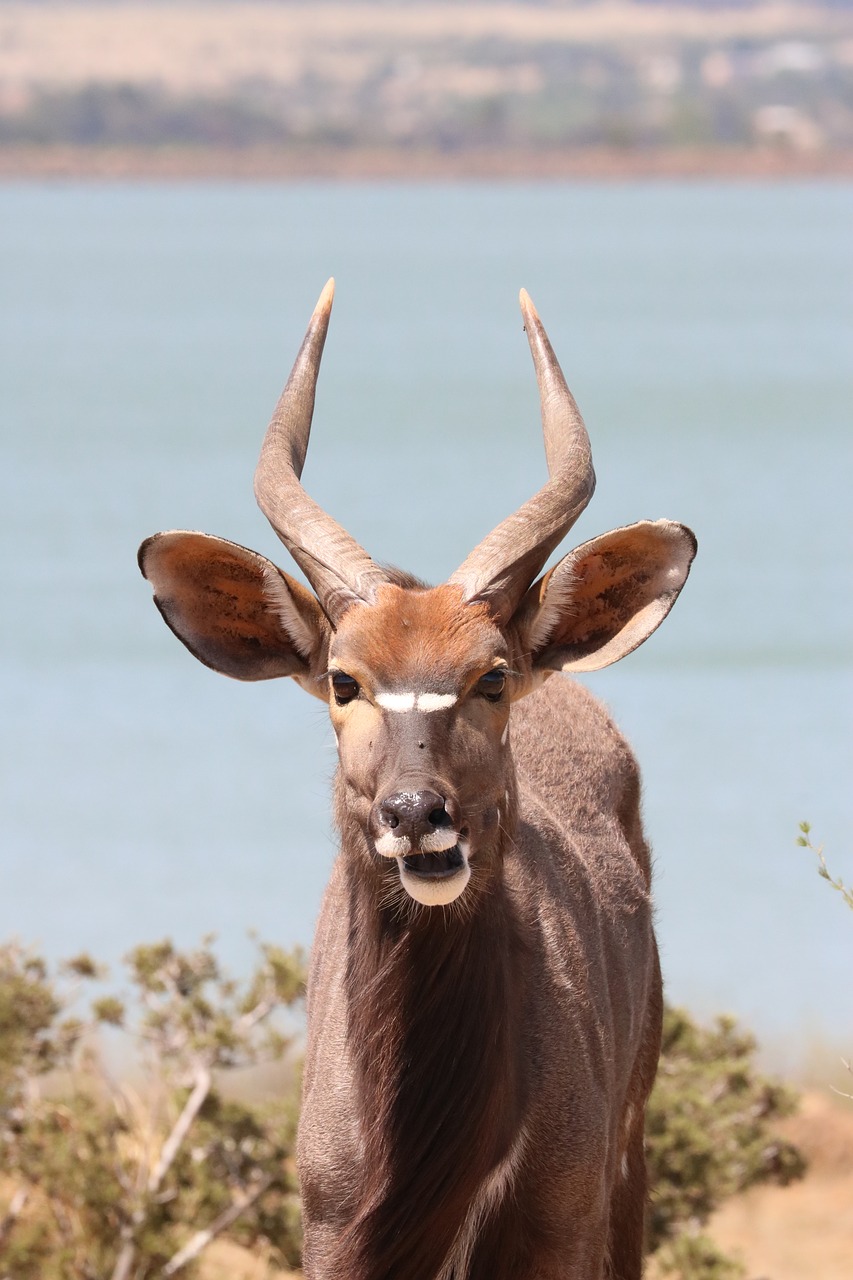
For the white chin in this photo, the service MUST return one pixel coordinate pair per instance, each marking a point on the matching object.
(434, 893)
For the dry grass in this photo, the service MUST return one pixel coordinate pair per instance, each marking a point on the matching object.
(225, 1261)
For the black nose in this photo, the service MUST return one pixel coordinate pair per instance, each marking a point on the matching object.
(414, 813)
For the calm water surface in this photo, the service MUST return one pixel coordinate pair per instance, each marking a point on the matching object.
(146, 333)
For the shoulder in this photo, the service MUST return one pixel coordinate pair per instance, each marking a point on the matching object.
(562, 722)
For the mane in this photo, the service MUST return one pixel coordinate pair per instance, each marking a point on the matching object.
(434, 1014)
(401, 578)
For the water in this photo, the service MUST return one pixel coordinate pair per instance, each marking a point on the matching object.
(146, 332)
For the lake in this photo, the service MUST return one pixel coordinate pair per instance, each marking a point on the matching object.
(706, 333)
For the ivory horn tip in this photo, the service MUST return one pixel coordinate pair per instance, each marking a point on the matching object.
(324, 302)
(528, 310)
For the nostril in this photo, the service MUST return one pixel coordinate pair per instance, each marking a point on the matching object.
(413, 814)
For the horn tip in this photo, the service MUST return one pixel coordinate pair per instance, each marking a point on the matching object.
(528, 310)
(324, 303)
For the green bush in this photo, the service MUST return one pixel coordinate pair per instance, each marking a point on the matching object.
(103, 1180)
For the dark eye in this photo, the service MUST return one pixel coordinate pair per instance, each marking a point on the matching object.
(345, 688)
(492, 684)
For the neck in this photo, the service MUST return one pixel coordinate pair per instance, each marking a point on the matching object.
(435, 1001)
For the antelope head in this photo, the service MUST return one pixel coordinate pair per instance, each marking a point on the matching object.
(420, 680)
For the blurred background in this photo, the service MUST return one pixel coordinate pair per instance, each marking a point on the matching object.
(407, 84)
(704, 326)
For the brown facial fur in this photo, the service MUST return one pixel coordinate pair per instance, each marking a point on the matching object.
(390, 648)
(394, 640)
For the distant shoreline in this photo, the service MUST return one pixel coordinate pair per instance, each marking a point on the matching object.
(259, 164)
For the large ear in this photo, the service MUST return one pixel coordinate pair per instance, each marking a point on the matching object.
(606, 597)
(233, 609)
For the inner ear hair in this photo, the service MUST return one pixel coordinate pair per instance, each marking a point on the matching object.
(549, 603)
(283, 595)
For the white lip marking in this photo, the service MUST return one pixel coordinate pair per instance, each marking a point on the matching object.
(436, 893)
(391, 846)
(423, 701)
(438, 841)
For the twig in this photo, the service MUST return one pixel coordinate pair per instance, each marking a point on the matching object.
(823, 870)
(840, 887)
(127, 1253)
(840, 1092)
(202, 1239)
(182, 1126)
(262, 1010)
(14, 1211)
(169, 1150)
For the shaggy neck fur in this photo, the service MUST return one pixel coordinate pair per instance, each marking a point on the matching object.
(435, 1009)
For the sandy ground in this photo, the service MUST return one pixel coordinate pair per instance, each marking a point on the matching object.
(802, 1232)
(197, 46)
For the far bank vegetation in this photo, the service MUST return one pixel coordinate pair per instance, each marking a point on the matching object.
(540, 76)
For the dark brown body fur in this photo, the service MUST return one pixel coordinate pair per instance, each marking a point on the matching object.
(432, 1038)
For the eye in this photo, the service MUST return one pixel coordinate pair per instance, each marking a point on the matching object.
(344, 687)
(492, 684)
